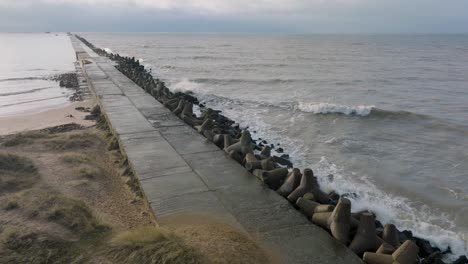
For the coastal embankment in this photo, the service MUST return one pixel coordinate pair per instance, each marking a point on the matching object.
(361, 232)
(182, 173)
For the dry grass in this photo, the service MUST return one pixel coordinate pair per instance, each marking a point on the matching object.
(74, 141)
(151, 245)
(17, 173)
(26, 246)
(48, 209)
(23, 138)
(75, 159)
(52, 206)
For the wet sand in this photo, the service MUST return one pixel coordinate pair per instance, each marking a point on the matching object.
(49, 118)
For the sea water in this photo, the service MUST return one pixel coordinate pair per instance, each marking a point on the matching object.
(382, 119)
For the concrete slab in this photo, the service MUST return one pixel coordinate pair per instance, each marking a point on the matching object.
(219, 171)
(127, 120)
(186, 140)
(304, 244)
(115, 101)
(203, 204)
(173, 185)
(106, 88)
(89, 51)
(145, 100)
(151, 156)
(260, 209)
(159, 117)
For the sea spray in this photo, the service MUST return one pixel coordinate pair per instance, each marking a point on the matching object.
(328, 108)
(423, 221)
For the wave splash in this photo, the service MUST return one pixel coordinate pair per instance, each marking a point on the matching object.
(425, 222)
(186, 86)
(328, 108)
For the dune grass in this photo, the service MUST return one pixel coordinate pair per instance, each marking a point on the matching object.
(72, 141)
(19, 245)
(23, 138)
(17, 173)
(75, 159)
(151, 245)
(55, 207)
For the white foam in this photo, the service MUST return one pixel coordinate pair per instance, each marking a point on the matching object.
(185, 85)
(328, 108)
(425, 222)
(108, 50)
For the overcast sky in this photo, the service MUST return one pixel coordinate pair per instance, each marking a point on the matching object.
(296, 16)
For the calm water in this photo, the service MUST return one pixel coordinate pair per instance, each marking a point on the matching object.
(387, 116)
(27, 63)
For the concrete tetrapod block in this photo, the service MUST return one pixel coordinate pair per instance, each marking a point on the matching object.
(340, 221)
(304, 187)
(366, 238)
(291, 183)
(274, 178)
(218, 139)
(307, 206)
(180, 107)
(187, 111)
(385, 248)
(268, 164)
(236, 156)
(390, 235)
(244, 146)
(324, 208)
(192, 121)
(376, 258)
(407, 253)
(208, 124)
(309, 196)
(251, 162)
(321, 219)
(266, 152)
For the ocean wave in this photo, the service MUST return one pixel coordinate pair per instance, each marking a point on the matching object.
(108, 50)
(425, 222)
(328, 108)
(219, 81)
(22, 79)
(26, 92)
(186, 86)
(206, 93)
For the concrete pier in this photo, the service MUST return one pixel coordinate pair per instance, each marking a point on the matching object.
(181, 173)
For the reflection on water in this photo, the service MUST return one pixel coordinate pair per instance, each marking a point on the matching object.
(28, 61)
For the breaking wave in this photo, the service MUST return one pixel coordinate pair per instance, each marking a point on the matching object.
(425, 222)
(327, 108)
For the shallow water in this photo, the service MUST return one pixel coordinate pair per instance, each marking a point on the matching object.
(385, 115)
(28, 61)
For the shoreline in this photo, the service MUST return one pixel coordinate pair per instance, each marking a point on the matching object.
(22, 122)
(141, 76)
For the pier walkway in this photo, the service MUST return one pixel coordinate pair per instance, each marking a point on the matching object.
(181, 173)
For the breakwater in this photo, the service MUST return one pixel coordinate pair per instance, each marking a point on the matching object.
(239, 145)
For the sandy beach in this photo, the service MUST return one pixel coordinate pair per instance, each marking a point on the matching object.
(49, 118)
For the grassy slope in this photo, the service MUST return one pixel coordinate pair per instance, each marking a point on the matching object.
(70, 198)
